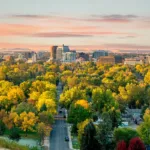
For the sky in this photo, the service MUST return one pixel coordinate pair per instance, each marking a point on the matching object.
(80, 24)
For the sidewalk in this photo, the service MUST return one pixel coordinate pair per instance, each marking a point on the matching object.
(46, 143)
(69, 133)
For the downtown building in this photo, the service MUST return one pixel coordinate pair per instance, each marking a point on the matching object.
(69, 56)
(99, 53)
(62, 54)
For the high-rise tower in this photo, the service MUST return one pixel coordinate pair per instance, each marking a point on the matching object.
(53, 52)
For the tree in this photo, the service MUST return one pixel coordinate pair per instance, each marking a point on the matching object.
(46, 117)
(72, 81)
(104, 132)
(5, 86)
(25, 107)
(81, 127)
(43, 131)
(71, 96)
(83, 103)
(132, 94)
(125, 134)
(25, 86)
(121, 145)
(49, 103)
(136, 144)
(76, 115)
(147, 78)
(26, 121)
(103, 101)
(144, 128)
(16, 95)
(9, 120)
(33, 97)
(88, 140)
(5, 103)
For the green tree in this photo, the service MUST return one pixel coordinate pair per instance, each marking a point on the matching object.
(88, 140)
(104, 132)
(76, 115)
(144, 128)
(25, 107)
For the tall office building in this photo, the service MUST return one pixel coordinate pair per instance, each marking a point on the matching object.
(53, 52)
(60, 50)
(69, 56)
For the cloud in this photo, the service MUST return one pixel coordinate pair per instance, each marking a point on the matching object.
(28, 16)
(23, 46)
(114, 18)
(61, 31)
(17, 29)
(128, 37)
(78, 34)
(60, 34)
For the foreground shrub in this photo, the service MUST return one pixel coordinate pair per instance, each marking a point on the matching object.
(121, 145)
(14, 146)
(136, 144)
(125, 134)
(14, 134)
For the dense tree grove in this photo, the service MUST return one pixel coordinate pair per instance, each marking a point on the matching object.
(28, 101)
(109, 91)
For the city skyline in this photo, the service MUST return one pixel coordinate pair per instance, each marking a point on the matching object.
(82, 25)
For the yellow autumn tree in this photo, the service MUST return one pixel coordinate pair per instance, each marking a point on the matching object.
(16, 95)
(26, 121)
(147, 78)
(49, 103)
(83, 103)
(33, 97)
(9, 120)
(43, 130)
(81, 127)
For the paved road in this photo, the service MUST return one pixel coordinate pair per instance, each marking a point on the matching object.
(57, 138)
(57, 141)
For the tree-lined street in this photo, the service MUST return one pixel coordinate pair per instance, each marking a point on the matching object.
(57, 137)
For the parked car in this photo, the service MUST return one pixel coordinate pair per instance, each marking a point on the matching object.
(66, 138)
(60, 111)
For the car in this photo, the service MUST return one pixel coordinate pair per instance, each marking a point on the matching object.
(60, 111)
(66, 138)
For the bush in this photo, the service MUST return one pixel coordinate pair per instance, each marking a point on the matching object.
(12, 145)
(2, 128)
(136, 144)
(121, 145)
(14, 134)
(125, 134)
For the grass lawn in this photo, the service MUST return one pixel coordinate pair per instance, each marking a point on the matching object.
(28, 135)
(75, 143)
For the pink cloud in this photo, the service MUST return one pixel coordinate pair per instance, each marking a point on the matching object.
(21, 45)
(52, 31)
(17, 29)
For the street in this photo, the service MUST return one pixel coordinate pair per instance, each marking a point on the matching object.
(57, 137)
